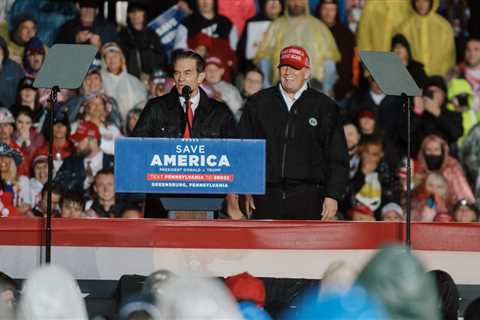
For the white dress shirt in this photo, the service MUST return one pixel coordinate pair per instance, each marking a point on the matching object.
(289, 101)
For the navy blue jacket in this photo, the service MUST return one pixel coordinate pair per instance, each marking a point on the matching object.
(71, 174)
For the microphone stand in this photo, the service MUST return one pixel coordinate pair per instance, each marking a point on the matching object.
(408, 105)
(48, 228)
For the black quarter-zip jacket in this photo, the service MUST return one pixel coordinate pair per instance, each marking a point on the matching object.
(304, 145)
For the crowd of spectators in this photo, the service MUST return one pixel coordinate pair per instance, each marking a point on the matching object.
(438, 41)
(393, 284)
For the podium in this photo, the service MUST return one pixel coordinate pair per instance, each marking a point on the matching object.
(190, 177)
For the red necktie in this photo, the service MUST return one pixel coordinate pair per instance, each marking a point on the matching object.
(188, 127)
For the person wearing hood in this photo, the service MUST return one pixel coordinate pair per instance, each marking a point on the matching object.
(207, 27)
(24, 28)
(470, 157)
(461, 99)
(469, 69)
(401, 47)
(431, 116)
(91, 85)
(399, 281)
(269, 11)
(49, 14)
(118, 83)
(50, 292)
(10, 75)
(378, 23)
(298, 27)
(431, 37)
(327, 11)
(88, 27)
(33, 57)
(142, 46)
(434, 157)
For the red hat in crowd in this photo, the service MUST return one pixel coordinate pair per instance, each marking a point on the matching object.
(366, 114)
(443, 217)
(84, 130)
(295, 57)
(215, 61)
(360, 208)
(244, 286)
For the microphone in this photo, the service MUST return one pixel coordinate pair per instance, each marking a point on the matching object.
(186, 92)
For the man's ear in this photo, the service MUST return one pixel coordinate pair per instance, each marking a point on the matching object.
(222, 72)
(307, 74)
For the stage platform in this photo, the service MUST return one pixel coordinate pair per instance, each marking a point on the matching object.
(105, 249)
(99, 251)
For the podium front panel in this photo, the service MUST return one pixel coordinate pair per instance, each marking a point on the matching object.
(189, 166)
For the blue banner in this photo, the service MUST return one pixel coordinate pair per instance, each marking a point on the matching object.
(197, 166)
(165, 25)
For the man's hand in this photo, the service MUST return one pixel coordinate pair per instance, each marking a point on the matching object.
(249, 204)
(95, 40)
(82, 36)
(233, 208)
(330, 207)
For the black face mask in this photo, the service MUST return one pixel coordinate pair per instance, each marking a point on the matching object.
(434, 163)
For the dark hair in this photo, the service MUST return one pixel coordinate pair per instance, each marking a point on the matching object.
(473, 310)
(25, 111)
(104, 171)
(57, 189)
(129, 206)
(448, 294)
(373, 139)
(254, 69)
(73, 196)
(189, 54)
(6, 283)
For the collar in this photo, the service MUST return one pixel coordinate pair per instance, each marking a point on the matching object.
(195, 100)
(289, 101)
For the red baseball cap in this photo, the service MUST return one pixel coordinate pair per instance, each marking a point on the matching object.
(244, 286)
(366, 114)
(295, 57)
(214, 60)
(84, 130)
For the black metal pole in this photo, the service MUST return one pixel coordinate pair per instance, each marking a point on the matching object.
(408, 208)
(48, 227)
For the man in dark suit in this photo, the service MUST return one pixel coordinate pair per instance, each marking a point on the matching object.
(169, 116)
(78, 171)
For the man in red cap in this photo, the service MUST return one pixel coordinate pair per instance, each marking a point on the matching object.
(307, 157)
(77, 171)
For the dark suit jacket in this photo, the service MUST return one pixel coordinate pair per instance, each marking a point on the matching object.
(71, 174)
(163, 117)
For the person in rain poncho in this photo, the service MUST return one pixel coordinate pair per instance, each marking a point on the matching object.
(50, 292)
(430, 36)
(298, 27)
(378, 23)
(125, 88)
(398, 279)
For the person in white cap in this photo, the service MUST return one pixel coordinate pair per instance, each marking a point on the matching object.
(392, 212)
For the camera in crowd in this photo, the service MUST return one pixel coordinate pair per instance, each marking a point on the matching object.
(461, 100)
